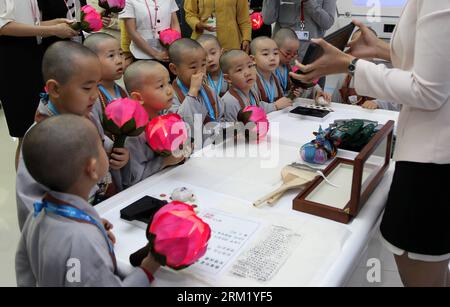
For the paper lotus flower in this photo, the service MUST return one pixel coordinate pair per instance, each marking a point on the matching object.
(257, 116)
(124, 117)
(111, 6)
(177, 236)
(91, 21)
(257, 20)
(168, 36)
(166, 133)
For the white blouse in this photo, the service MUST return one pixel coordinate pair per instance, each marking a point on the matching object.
(144, 12)
(420, 81)
(21, 11)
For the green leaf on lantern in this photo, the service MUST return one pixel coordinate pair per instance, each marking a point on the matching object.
(110, 126)
(244, 116)
(137, 132)
(129, 127)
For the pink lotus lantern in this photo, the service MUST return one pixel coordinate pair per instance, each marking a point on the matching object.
(91, 21)
(166, 134)
(257, 116)
(257, 20)
(177, 236)
(111, 6)
(168, 36)
(124, 117)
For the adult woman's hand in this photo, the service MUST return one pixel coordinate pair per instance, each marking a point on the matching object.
(162, 56)
(333, 61)
(368, 45)
(63, 30)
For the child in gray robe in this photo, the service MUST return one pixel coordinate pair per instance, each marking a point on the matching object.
(64, 242)
(194, 101)
(149, 83)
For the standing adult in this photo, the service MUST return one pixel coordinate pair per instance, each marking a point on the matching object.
(415, 225)
(231, 21)
(53, 9)
(308, 18)
(144, 20)
(21, 32)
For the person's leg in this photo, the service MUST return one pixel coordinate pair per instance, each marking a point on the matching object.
(18, 152)
(416, 273)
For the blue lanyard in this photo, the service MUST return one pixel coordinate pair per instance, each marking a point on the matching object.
(218, 86)
(185, 91)
(71, 212)
(52, 107)
(283, 77)
(269, 88)
(107, 95)
(252, 98)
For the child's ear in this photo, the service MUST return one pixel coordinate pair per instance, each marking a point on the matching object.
(91, 170)
(173, 69)
(222, 51)
(136, 96)
(53, 88)
(227, 78)
(253, 58)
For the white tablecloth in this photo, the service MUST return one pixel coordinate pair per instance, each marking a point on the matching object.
(327, 252)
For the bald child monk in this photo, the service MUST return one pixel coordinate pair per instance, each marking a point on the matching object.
(63, 241)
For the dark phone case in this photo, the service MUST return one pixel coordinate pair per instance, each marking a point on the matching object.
(310, 112)
(338, 39)
(142, 210)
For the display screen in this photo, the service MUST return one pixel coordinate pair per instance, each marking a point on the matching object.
(383, 3)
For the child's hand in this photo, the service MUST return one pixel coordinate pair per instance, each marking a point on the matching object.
(283, 102)
(297, 92)
(326, 97)
(119, 158)
(106, 21)
(150, 264)
(108, 226)
(370, 104)
(196, 83)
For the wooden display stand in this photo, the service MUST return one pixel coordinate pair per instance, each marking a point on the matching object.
(356, 180)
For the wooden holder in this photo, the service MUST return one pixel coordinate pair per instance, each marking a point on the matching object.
(359, 192)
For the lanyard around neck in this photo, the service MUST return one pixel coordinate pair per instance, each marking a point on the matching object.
(108, 95)
(283, 77)
(217, 86)
(205, 97)
(269, 87)
(155, 22)
(251, 100)
(72, 213)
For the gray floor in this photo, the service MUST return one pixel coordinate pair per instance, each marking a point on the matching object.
(9, 233)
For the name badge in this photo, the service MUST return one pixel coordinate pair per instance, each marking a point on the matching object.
(302, 35)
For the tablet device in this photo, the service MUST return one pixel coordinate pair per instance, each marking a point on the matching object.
(338, 39)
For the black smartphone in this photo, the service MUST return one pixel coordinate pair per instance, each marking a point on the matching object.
(142, 210)
(338, 39)
(310, 112)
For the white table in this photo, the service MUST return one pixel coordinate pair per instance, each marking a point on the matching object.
(328, 251)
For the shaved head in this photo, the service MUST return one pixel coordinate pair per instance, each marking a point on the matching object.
(284, 34)
(135, 75)
(257, 43)
(56, 150)
(227, 57)
(208, 38)
(94, 40)
(182, 46)
(61, 60)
